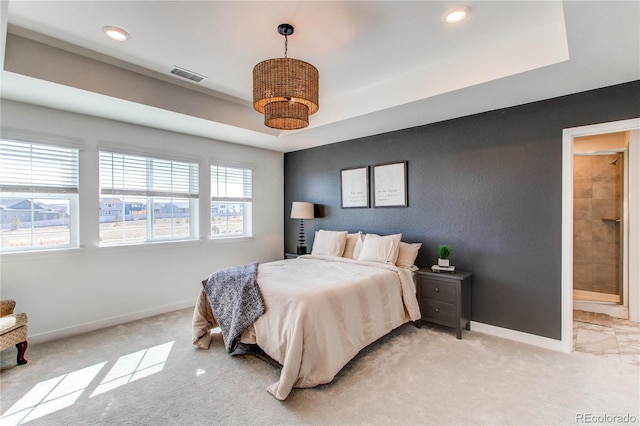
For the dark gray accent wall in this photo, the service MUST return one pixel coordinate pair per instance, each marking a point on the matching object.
(488, 185)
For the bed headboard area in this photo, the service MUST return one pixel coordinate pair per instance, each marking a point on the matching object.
(487, 185)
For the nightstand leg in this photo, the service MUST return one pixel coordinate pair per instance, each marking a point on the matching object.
(459, 332)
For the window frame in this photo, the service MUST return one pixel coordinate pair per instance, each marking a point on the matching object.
(151, 195)
(42, 188)
(245, 200)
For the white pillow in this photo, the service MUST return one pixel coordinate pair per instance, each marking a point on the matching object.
(358, 248)
(407, 254)
(329, 243)
(380, 249)
(350, 245)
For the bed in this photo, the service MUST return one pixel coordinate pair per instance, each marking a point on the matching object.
(320, 311)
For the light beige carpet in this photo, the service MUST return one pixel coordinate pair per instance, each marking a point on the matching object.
(148, 373)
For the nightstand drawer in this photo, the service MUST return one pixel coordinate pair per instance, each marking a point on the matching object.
(437, 311)
(438, 289)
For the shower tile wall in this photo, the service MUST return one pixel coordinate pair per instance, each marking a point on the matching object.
(597, 191)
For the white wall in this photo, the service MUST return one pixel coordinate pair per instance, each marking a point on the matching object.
(68, 292)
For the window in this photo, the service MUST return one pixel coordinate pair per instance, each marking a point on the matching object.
(230, 201)
(38, 196)
(145, 199)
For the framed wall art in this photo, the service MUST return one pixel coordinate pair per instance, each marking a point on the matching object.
(354, 187)
(390, 185)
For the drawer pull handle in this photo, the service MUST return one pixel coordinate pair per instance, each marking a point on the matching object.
(436, 309)
(436, 289)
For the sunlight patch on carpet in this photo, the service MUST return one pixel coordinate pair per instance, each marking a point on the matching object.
(50, 396)
(63, 391)
(132, 367)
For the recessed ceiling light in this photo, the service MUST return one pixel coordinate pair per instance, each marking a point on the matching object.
(456, 14)
(115, 33)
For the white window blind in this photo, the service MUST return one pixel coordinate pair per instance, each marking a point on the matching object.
(30, 167)
(123, 174)
(230, 184)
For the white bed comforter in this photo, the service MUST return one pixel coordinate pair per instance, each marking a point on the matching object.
(320, 312)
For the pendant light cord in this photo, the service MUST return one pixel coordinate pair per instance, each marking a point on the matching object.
(286, 42)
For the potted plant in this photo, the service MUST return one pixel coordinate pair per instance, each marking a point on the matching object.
(444, 251)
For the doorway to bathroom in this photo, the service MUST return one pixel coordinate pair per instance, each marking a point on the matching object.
(624, 304)
(600, 191)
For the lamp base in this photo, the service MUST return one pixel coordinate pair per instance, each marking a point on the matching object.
(302, 250)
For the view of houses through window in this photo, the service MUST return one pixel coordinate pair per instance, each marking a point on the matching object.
(125, 219)
(30, 222)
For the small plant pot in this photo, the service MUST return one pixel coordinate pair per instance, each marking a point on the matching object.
(443, 262)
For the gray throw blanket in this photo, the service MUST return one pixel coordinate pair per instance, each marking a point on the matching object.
(235, 300)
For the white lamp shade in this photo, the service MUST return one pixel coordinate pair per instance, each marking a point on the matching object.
(301, 210)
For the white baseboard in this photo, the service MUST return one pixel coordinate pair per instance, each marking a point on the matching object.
(518, 336)
(479, 327)
(107, 322)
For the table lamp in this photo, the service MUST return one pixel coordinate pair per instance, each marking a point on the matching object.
(301, 210)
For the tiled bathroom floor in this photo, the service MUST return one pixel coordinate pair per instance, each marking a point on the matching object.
(602, 335)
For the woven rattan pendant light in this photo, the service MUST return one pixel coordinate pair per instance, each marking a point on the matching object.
(285, 90)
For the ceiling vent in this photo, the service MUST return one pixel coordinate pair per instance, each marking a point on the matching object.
(181, 72)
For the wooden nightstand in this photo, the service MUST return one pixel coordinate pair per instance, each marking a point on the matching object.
(445, 298)
(291, 256)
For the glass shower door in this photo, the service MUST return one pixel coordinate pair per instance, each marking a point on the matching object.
(598, 233)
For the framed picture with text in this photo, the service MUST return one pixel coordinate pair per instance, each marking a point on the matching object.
(354, 187)
(390, 185)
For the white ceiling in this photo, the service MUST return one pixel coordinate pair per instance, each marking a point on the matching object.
(383, 65)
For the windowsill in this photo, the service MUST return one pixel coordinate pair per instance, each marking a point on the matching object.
(149, 245)
(31, 255)
(225, 240)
